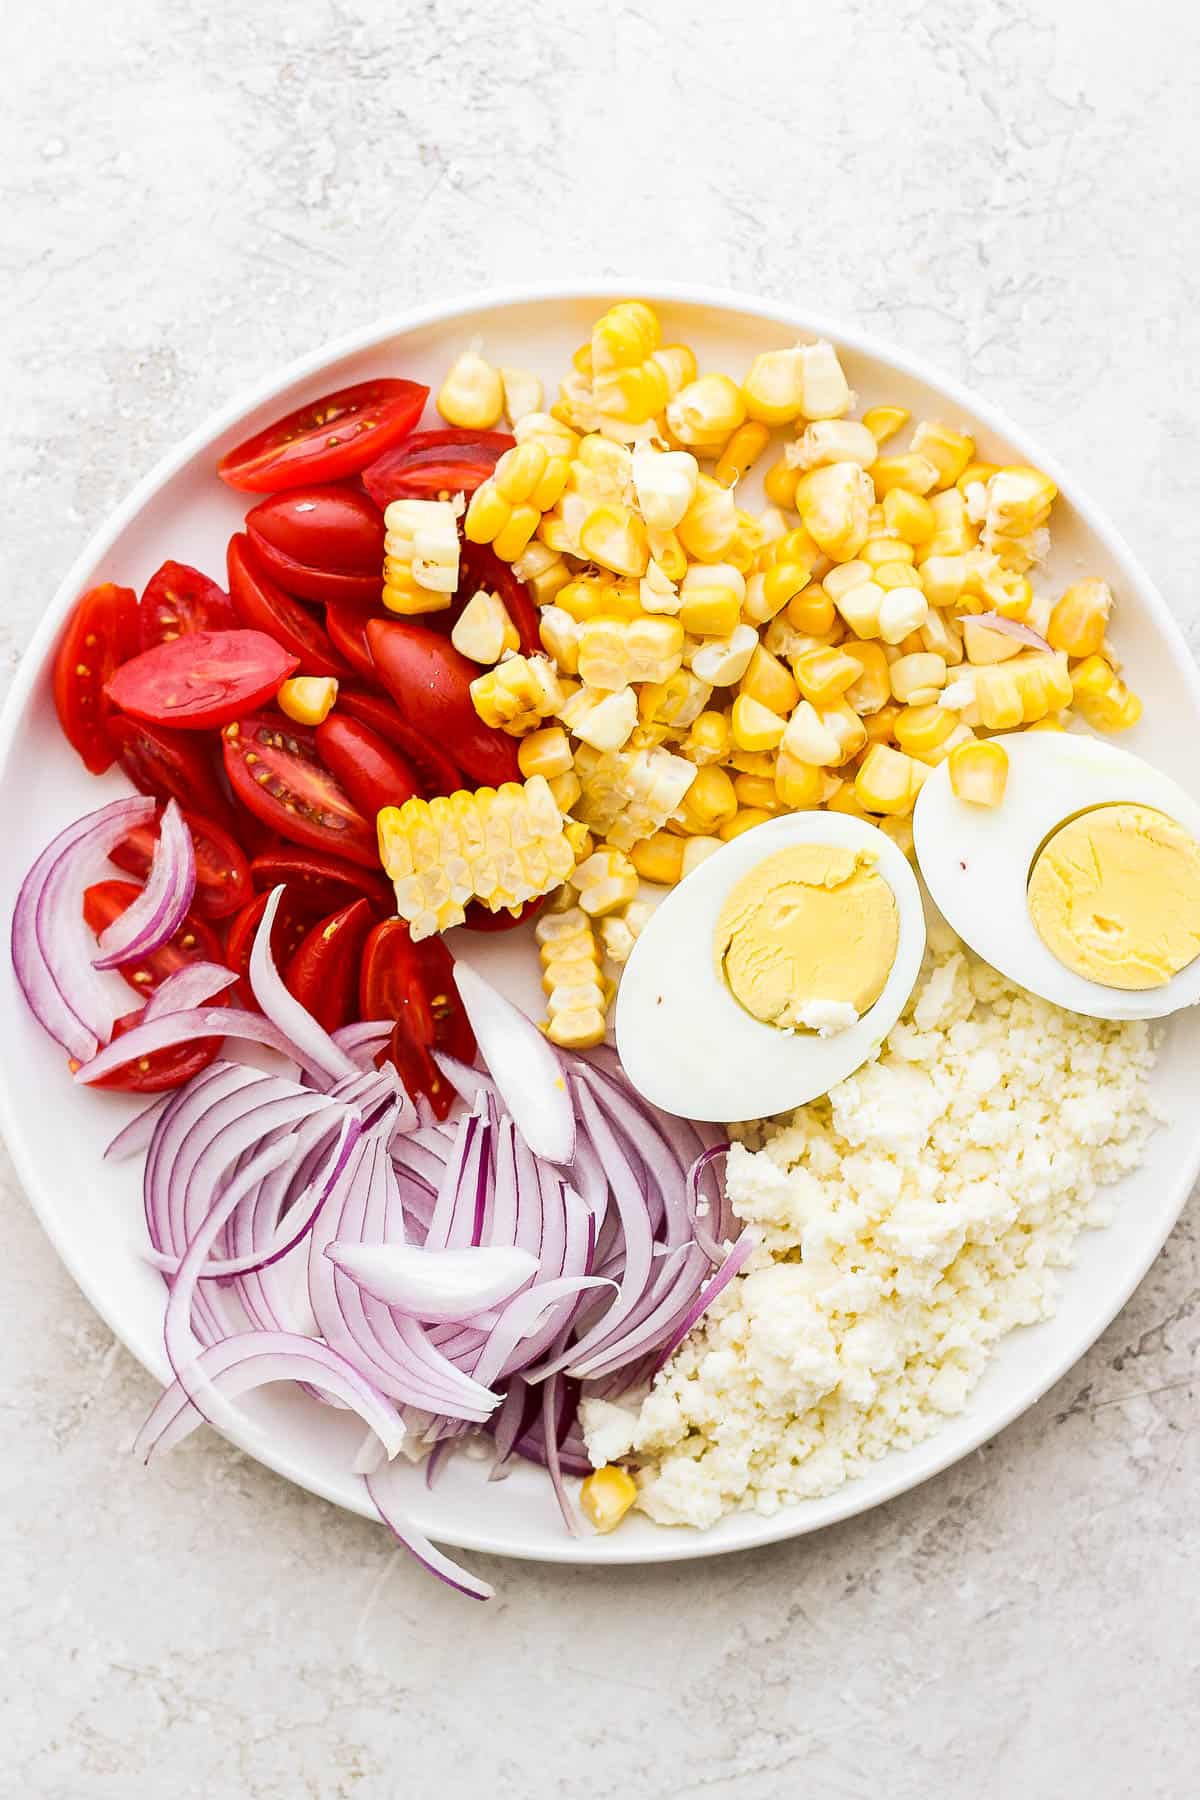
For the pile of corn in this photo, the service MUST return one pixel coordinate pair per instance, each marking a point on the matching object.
(706, 667)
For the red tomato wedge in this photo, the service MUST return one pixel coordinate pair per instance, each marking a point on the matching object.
(274, 770)
(323, 881)
(195, 941)
(373, 773)
(222, 872)
(177, 600)
(202, 680)
(482, 568)
(438, 773)
(263, 606)
(431, 463)
(293, 921)
(101, 634)
(347, 628)
(323, 972)
(162, 1069)
(323, 543)
(431, 684)
(171, 765)
(414, 984)
(481, 918)
(325, 439)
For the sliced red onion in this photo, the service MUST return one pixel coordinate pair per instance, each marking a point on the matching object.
(317, 1048)
(380, 1486)
(1013, 628)
(525, 1315)
(183, 1028)
(194, 985)
(135, 1137)
(161, 907)
(435, 1284)
(733, 1265)
(51, 945)
(531, 1080)
(708, 1240)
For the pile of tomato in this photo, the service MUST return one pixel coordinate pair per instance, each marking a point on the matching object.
(178, 688)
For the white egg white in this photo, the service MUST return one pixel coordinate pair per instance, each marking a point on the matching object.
(976, 861)
(683, 1039)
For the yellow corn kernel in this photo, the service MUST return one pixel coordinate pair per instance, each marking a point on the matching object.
(745, 819)
(664, 482)
(543, 428)
(472, 395)
(742, 451)
(757, 791)
(891, 575)
(705, 413)
(566, 789)
(753, 725)
(697, 849)
(918, 730)
(676, 702)
(774, 387)
(514, 535)
(1102, 697)
(710, 599)
(944, 578)
(860, 604)
(420, 560)
(1018, 503)
(880, 724)
(615, 652)
(824, 390)
(543, 571)
(902, 611)
(831, 441)
(709, 801)
(940, 635)
(883, 422)
(953, 528)
(834, 503)
(909, 515)
(546, 752)
(523, 393)
(606, 880)
(604, 721)
(518, 694)
(483, 630)
(871, 688)
(811, 611)
(809, 739)
(709, 739)
(982, 644)
(915, 473)
(798, 784)
(976, 474)
(779, 484)
(624, 336)
(308, 699)
(1080, 619)
(917, 678)
(888, 781)
(846, 726)
(722, 661)
(710, 523)
(900, 831)
(767, 680)
(615, 537)
(559, 635)
(1022, 691)
(824, 674)
(659, 858)
(949, 451)
(979, 772)
(678, 364)
(846, 801)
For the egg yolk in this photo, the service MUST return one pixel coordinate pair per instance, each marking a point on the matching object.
(808, 937)
(1115, 896)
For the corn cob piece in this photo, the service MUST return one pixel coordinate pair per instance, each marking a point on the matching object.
(420, 555)
(577, 994)
(630, 794)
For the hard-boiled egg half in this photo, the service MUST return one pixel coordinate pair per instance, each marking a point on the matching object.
(1082, 884)
(773, 970)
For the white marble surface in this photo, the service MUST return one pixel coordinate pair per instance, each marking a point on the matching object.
(194, 192)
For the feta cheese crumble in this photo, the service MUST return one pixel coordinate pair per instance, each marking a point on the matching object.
(910, 1219)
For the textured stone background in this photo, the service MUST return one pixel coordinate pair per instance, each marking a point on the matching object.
(193, 193)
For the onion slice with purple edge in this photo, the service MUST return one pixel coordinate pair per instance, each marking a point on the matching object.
(1013, 628)
(184, 1027)
(435, 1284)
(51, 945)
(529, 1077)
(194, 985)
(380, 1486)
(160, 909)
(284, 1010)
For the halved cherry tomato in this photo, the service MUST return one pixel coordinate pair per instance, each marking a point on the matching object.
(265, 607)
(437, 772)
(482, 568)
(162, 1069)
(324, 881)
(195, 941)
(222, 872)
(202, 680)
(325, 439)
(431, 684)
(479, 917)
(171, 765)
(323, 543)
(323, 972)
(178, 599)
(293, 921)
(370, 770)
(414, 984)
(275, 772)
(101, 634)
(347, 628)
(429, 463)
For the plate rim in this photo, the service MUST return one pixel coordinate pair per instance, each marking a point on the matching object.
(669, 1544)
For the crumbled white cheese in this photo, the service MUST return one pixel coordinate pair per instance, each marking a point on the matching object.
(826, 1017)
(910, 1219)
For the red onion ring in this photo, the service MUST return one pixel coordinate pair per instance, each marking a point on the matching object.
(160, 909)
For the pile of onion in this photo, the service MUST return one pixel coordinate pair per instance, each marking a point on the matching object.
(471, 1277)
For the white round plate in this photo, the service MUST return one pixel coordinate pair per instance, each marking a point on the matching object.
(56, 1133)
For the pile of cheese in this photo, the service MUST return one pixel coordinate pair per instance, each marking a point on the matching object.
(909, 1220)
